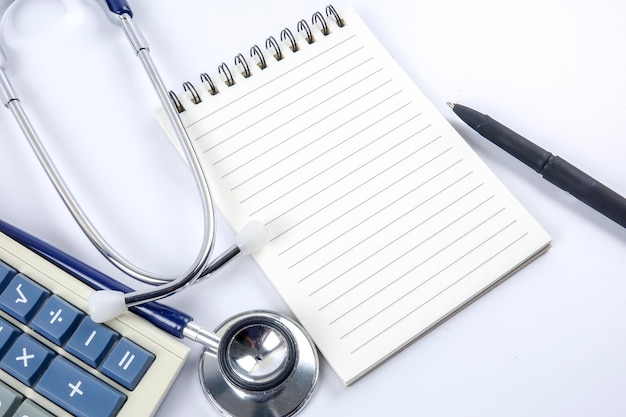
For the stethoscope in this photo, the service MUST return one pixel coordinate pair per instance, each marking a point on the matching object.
(257, 363)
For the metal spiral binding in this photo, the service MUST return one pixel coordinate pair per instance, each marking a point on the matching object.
(177, 104)
(330, 10)
(286, 35)
(318, 17)
(303, 25)
(272, 43)
(255, 50)
(239, 59)
(224, 70)
(195, 97)
(204, 78)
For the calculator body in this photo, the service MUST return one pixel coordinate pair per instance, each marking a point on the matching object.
(130, 377)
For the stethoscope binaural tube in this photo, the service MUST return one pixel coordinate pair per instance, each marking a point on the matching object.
(120, 13)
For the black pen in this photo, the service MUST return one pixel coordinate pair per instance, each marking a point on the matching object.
(553, 168)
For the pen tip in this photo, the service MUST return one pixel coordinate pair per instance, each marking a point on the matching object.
(451, 105)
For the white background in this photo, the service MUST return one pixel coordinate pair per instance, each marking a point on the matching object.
(550, 341)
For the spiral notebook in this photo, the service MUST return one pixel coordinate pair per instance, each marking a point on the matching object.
(383, 221)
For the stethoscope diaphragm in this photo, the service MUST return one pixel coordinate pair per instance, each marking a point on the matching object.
(265, 365)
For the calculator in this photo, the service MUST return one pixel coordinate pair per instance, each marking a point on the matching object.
(55, 361)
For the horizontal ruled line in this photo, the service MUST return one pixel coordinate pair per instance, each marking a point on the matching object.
(275, 79)
(300, 97)
(406, 294)
(390, 223)
(284, 106)
(415, 170)
(329, 185)
(370, 217)
(329, 204)
(304, 112)
(351, 209)
(408, 251)
(315, 141)
(439, 272)
(415, 267)
(438, 294)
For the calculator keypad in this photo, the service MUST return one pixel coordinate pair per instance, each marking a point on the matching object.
(27, 358)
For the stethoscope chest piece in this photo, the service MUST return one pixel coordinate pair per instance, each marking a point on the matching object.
(265, 366)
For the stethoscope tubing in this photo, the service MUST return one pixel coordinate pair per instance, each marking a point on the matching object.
(280, 396)
(121, 14)
(169, 319)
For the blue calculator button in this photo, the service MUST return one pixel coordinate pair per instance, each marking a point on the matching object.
(91, 342)
(127, 363)
(22, 297)
(78, 391)
(56, 320)
(26, 359)
(6, 273)
(8, 333)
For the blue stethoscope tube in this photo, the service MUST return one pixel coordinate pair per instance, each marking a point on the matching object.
(166, 318)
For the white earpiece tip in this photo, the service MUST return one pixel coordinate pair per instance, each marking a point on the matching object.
(252, 237)
(106, 305)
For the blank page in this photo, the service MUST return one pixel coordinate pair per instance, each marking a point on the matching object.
(383, 221)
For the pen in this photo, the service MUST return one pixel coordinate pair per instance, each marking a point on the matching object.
(553, 168)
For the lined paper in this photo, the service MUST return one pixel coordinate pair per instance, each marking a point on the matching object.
(383, 222)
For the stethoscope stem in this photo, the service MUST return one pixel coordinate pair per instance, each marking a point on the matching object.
(209, 340)
(216, 264)
(133, 34)
(136, 298)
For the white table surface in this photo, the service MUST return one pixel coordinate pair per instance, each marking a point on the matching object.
(550, 341)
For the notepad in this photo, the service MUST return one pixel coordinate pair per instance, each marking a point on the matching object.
(383, 221)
